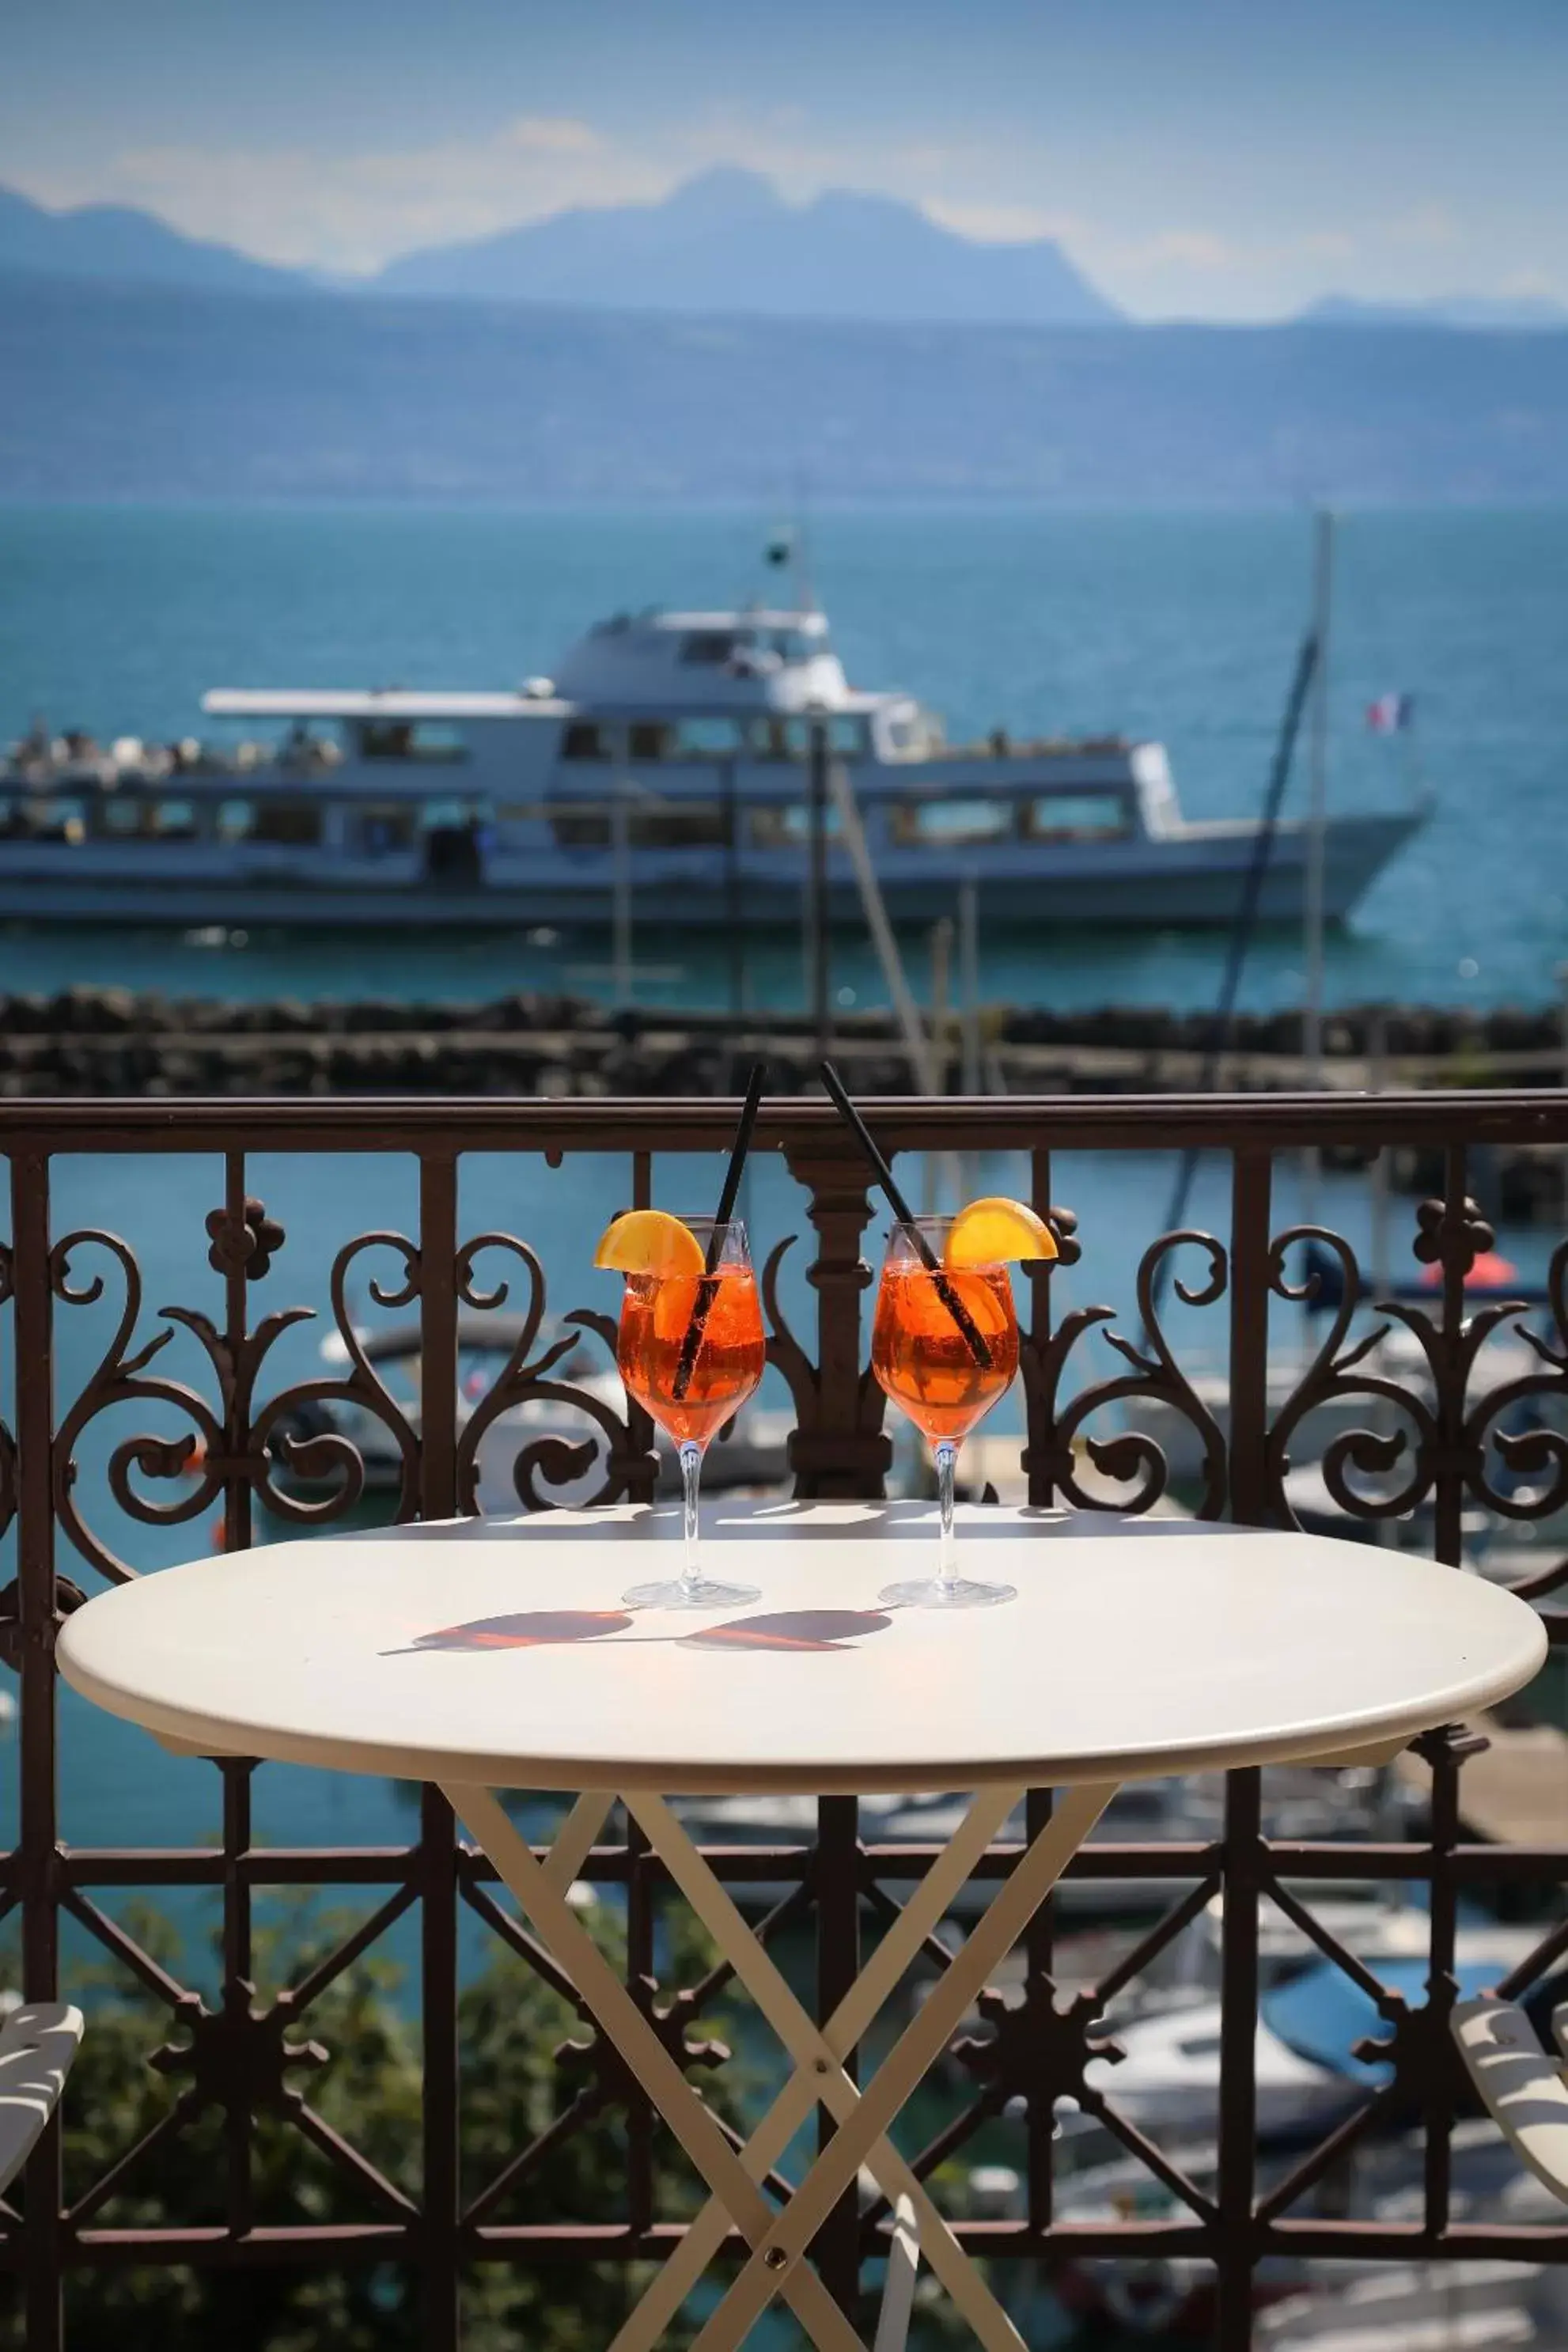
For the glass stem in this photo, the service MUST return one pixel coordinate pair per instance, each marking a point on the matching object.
(946, 1464)
(690, 1479)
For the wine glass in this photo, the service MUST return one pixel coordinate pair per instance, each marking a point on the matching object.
(944, 1346)
(691, 1351)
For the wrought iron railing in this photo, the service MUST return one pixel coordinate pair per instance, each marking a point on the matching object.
(1436, 1443)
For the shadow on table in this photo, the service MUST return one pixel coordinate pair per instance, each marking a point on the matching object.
(782, 1632)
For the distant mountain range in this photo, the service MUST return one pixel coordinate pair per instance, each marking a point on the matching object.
(115, 243)
(725, 243)
(728, 243)
(157, 393)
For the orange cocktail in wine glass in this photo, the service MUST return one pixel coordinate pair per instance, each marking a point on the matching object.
(691, 1351)
(944, 1346)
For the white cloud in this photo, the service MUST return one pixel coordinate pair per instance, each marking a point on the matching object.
(1195, 248)
(1001, 224)
(1207, 252)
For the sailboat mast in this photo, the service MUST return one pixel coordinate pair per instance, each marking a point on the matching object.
(1317, 802)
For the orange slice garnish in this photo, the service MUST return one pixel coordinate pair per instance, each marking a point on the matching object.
(649, 1241)
(994, 1232)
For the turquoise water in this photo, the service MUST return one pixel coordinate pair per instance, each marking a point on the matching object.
(1179, 627)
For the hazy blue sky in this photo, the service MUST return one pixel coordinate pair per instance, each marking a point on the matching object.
(1216, 158)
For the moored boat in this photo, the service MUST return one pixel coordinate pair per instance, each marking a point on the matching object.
(671, 760)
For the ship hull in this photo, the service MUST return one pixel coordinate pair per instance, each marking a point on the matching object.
(1189, 881)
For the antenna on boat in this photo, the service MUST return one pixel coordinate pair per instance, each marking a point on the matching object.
(786, 551)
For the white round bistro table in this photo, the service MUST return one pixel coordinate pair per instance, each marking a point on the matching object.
(490, 1654)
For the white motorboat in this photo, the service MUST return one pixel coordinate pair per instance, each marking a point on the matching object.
(1311, 2063)
(669, 762)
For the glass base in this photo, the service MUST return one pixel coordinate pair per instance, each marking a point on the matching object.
(706, 1592)
(945, 1592)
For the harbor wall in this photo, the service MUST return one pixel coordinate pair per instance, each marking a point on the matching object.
(97, 1040)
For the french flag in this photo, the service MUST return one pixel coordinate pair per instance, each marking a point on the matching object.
(1391, 714)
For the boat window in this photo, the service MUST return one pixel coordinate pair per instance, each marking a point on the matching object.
(385, 828)
(679, 824)
(950, 824)
(779, 828)
(906, 738)
(1077, 816)
(173, 820)
(796, 646)
(711, 649)
(769, 739)
(581, 825)
(121, 815)
(789, 739)
(438, 816)
(10, 818)
(55, 820)
(582, 740)
(648, 739)
(709, 738)
(131, 816)
(404, 739)
(291, 824)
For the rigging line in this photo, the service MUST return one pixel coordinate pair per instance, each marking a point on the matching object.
(1222, 1021)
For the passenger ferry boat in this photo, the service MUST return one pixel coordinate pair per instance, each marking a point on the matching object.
(667, 763)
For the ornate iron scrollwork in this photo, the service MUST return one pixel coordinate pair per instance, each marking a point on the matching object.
(551, 1459)
(225, 1443)
(288, 1430)
(1336, 1371)
(1132, 1459)
(1446, 1433)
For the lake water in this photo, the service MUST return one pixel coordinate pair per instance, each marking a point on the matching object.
(1183, 628)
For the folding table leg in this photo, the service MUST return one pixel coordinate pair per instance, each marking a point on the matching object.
(575, 1838)
(921, 1914)
(903, 2269)
(616, 2011)
(916, 2050)
(820, 2075)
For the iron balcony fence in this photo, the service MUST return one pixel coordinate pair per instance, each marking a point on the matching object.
(1436, 1440)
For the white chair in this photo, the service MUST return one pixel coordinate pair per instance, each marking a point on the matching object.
(1525, 2090)
(38, 2042)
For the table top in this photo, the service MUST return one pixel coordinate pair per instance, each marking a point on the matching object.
(497, 1652)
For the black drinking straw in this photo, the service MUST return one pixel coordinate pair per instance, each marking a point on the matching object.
(706, 1290)
(948, 1297)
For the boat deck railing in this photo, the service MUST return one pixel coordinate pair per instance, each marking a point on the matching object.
(84, 1487)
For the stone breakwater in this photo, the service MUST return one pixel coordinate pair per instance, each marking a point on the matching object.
(111, 1040)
